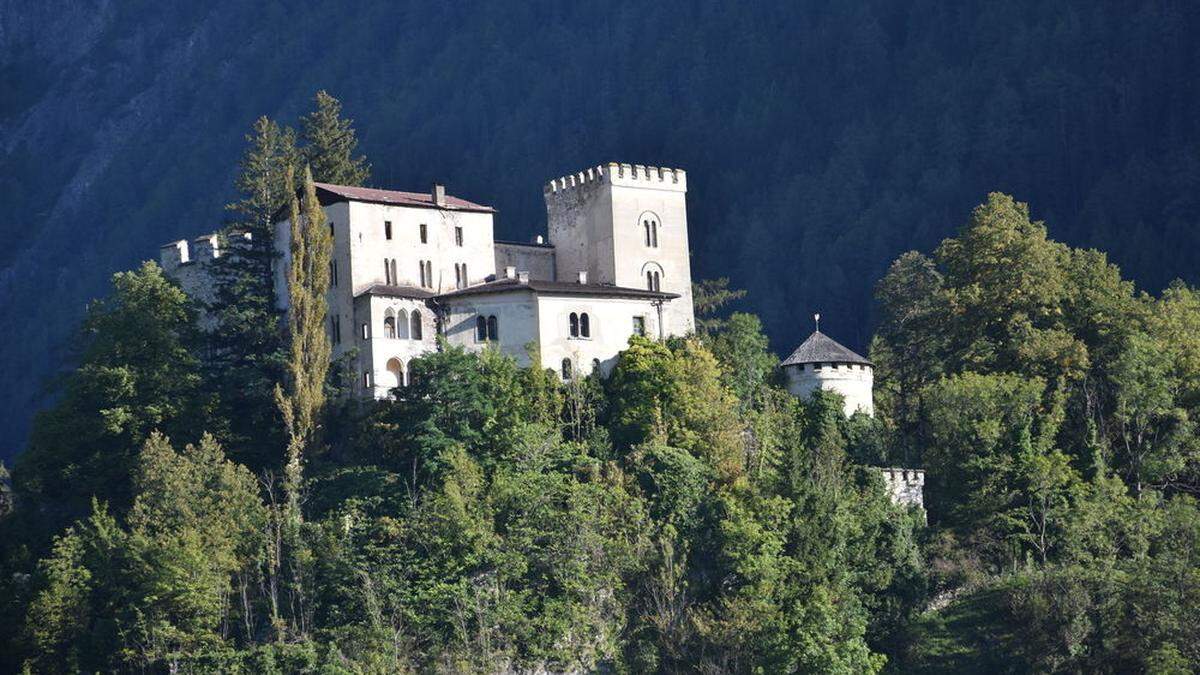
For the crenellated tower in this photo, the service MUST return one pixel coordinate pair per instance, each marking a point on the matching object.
(625, 225)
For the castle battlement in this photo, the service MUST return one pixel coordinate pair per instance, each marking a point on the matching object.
(616, 173)
(905, 486)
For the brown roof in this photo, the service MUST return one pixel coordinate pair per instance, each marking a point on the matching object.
(559, 288)
(328, 193)
(398, 291)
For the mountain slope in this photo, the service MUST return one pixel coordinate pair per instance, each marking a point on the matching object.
(820, 141)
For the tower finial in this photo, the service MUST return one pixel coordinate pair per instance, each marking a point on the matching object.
(817, 320)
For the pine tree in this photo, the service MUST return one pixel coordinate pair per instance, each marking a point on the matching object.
(330, 142)
(245, 343)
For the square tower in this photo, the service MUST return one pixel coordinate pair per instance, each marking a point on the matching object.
(625, 225)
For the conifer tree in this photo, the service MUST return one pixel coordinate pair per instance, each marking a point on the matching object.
(309, 347)
(245, 354)
(330, 143)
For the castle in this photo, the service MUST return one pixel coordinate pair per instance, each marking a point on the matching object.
(408, 267)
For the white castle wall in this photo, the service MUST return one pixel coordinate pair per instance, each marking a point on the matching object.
(611, 321)
(906, 487)
(516, 318)
(595, 220)
(853, 381)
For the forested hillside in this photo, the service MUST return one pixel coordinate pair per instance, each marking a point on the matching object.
(821, 139)
(213, 502)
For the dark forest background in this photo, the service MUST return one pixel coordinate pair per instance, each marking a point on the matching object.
(821, 139)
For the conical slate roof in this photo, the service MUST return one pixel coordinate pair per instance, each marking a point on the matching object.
(820, 348)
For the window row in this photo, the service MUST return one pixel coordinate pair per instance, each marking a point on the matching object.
(426, 270)
(389, 272)
(460, 275)
(401, 326)
(422, 231)
(568, 369)
(487, 329)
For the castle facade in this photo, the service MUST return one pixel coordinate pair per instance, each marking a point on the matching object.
(409, 267)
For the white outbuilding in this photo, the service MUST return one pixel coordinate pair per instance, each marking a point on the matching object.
(820, 362)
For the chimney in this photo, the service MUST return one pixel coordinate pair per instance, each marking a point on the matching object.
(523, 277)
(583, 277)
(510, 272)
(439, 194)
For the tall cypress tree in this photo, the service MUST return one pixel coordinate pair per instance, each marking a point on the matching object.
(308, 342)
(330, 144)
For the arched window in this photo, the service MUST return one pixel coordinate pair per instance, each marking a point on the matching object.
(650, 229)
(402, 325)
(480, 329)
(493, 328)
(567, 370)
(653, 280)
(585, 327)
(387, 272)
(596, 367)
(389, 325)
(395, 369)
(415, 322)
(574, 324)
(395, 278)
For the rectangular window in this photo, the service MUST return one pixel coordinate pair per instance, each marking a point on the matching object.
(639, 325)
(424, 234)
(387, 229)
(366, 379)
(366, 331)
(458, 236)
(335, 329)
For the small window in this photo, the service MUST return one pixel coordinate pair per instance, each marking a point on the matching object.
(366, 331)
(480, 329)
(424, 233)
(653, 280)
(387, 272)
(567, 369)
(639, 325)
(402, 325)
(585, 329)
(366, 379)
(415, 328)
(574, 325)
(646, 227)
(331, 229)
(654, 233)
(458, 239)
(493, 328)
(466, 279)
(332, 273)
(387, 229)
(389, 327)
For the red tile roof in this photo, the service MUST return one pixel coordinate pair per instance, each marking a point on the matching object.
(376, 196)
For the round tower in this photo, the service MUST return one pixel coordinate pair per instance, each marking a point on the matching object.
(821, 363)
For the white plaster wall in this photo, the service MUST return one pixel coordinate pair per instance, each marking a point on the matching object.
(537, 260)
(611, 325)
(368, 245)
(853, 381)
(595, 224)
(376, 349)
(516, 315)
(638, 194)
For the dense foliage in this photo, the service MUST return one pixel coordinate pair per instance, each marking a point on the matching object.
(821, 139)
